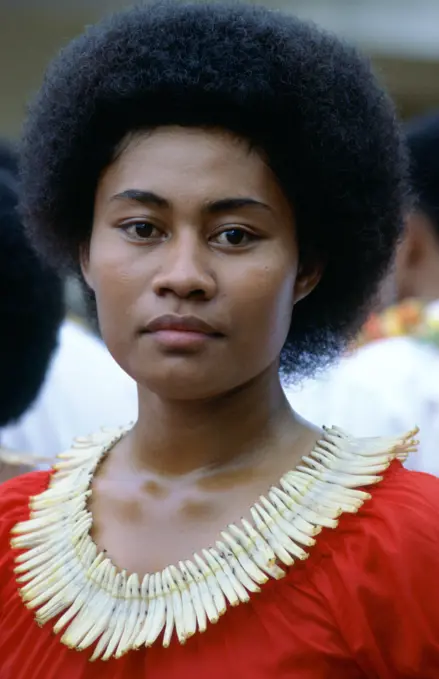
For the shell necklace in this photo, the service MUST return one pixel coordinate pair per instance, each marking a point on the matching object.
(62, 575)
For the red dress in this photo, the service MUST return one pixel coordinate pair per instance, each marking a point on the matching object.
(365, 604)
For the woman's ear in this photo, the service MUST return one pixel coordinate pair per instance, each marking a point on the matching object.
(308, 277)
(84, 261)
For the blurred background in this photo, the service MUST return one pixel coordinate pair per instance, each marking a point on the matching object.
(401, 36)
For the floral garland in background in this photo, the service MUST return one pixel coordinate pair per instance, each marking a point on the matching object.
(410, 318)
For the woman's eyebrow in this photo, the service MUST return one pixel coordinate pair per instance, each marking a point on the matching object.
(212, 207)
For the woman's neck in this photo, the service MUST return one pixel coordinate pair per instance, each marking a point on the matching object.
(180, 437)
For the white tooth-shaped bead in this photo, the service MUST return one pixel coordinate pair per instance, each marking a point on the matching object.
(159, 618)
(103, 641)
(52, 501)
(205, 594)
(133, 605)
(26, 540)
(239, 592)
(57, 605)
(142, 636)
(336, 507)
(264, 547)
(79, 626)
(87, 616)
(271, 538)
(195, 597)
(48, 593)
(355, 493)
(77, 602)
(322, 496)
(212, 584)
(177, 606)
(36, 525)
(225, 581)
(326, 457)
(354, 466)
(289, 531)
(119, 616)
(69, 508)
(106, 636)
(170, 617)
(305, 528)
(86, 551)
(319, 518)
(189, 615)
(102, 610)
(42, 550)
(260, 553)
(283, 502)
(83, 526)
(348, 495)
(241, 581)
(245, 570)
(65, 597)
(43, 574)
(353, 496)
(327, 518)
(337, 478)
(143, 609)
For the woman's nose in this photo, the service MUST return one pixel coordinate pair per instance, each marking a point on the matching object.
(184, 271)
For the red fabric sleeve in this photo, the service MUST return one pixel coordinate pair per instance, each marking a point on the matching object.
(14, 507)
(380, 579)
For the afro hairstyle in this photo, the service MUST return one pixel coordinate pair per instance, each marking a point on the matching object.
(31, 304)
(308, 101)
(423, 144)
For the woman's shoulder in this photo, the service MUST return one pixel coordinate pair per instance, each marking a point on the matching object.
(403, 509)
(400, 520)
(377, 575)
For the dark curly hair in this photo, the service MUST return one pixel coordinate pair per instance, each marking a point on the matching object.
(307, 100)
(31, 304)
(423, 143)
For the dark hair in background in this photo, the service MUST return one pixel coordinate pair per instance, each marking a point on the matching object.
(31, 304)
(423, 142)
(9, 158)
(303, 97)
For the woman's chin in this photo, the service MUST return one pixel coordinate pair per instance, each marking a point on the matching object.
(188, 385)
(184, 385)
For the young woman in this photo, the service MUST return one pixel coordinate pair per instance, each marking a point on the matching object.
(231, 184)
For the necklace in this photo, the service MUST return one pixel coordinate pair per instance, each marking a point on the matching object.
(411, 318)
(62, 575)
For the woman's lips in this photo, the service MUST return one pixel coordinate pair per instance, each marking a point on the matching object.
(181, 332)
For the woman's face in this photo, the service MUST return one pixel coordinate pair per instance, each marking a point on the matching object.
(194, 262)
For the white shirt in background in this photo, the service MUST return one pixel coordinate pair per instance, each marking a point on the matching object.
(84, 390)
(385, 388)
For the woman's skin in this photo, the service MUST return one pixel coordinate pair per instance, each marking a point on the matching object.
(190, 222)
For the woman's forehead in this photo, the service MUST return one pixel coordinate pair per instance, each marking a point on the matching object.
(177, 162)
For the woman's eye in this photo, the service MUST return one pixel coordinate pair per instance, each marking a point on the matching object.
(142, 231)
(234, 236)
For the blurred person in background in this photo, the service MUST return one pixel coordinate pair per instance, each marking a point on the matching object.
(49, 389)
(392, 378)
(31, 312)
